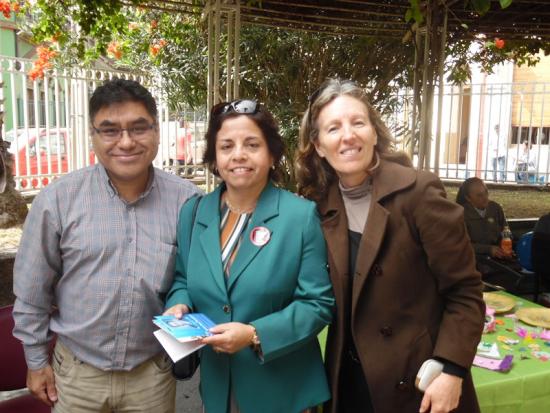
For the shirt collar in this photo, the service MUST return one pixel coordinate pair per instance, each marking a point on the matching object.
(111, 189)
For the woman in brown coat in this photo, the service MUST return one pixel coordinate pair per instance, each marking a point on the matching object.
(401, 264)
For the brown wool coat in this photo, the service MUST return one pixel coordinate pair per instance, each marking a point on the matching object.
(416, 293)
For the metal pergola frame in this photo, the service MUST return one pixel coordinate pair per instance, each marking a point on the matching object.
(383, 18)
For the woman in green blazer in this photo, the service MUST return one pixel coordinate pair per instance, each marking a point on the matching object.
(256, 265)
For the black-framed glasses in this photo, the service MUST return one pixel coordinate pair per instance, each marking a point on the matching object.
(113, 133)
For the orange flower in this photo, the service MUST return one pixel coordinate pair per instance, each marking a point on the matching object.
(154, 49)
(499, 43)
(154, 24)
(36, 73)
(114, 49)
(15, 7)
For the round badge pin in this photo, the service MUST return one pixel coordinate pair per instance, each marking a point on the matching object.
(260, 236)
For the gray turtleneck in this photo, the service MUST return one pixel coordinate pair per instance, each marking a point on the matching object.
(357, 202)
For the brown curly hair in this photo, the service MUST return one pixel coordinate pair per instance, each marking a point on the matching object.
(314, 175)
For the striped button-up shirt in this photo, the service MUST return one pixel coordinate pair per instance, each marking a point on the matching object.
(94, 269)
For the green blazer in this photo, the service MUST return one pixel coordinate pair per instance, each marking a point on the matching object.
(282, 288)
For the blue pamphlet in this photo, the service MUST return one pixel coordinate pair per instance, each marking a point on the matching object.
(190, 327)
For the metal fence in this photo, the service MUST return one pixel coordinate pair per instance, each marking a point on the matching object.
(498, 132)
(46, 122)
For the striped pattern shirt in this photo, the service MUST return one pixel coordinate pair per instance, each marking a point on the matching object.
(232, 228)
(94, 268)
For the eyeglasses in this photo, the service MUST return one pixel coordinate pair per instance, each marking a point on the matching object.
(112, 133)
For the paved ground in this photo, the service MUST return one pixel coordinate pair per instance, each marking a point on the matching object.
(188, 399)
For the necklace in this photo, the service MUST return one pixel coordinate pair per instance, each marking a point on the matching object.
(239, 211)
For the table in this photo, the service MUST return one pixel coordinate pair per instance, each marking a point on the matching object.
(523, 389)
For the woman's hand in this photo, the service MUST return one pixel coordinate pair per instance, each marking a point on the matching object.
(442, 395)
(178, 310)
(497, 252)
(230, 337)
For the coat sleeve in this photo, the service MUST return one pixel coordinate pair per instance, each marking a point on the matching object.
(440, 224)
(311, 308)
(178, 292)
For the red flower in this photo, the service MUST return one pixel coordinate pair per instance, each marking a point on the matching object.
(154, 24)
(5, 9)
(499, 43)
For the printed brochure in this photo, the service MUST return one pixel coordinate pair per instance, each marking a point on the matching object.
(181, 336)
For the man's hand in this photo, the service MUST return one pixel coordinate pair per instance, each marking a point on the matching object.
(230, 337)
(41, 384)
(177, 310)
(442, 395)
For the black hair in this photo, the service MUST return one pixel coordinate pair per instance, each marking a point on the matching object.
(464, 190)
(118, 91)
(263, 119)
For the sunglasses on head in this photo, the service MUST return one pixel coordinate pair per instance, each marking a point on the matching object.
(244, 106)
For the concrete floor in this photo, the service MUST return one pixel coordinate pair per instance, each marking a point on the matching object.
(188, 399)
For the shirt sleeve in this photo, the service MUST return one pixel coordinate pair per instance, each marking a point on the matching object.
(178, 292)
(36, 271)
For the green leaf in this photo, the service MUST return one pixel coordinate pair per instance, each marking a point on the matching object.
(414, 12)
(481, 6)
(505, 3)
(408, 15)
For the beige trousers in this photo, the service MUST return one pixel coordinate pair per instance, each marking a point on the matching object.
(82, 388)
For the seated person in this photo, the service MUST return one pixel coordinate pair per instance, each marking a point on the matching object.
(543, 224)
(541, 252)
(526, 164)
(485, 222)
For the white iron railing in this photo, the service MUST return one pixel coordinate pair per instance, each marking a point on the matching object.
(467, 139)
(46, 122)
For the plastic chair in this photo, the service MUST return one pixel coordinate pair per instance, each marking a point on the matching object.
(523, 250)
(13, 370)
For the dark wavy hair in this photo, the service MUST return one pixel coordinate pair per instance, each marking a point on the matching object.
(314, 174)
(263, 119)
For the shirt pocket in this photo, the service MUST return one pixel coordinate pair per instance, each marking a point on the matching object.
(165, 259)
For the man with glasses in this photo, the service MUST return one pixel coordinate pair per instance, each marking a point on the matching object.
(95, 262)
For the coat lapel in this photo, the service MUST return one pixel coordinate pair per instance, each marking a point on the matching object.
(267, 207)
(208, 215)
(335, 228)
(372, 238)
